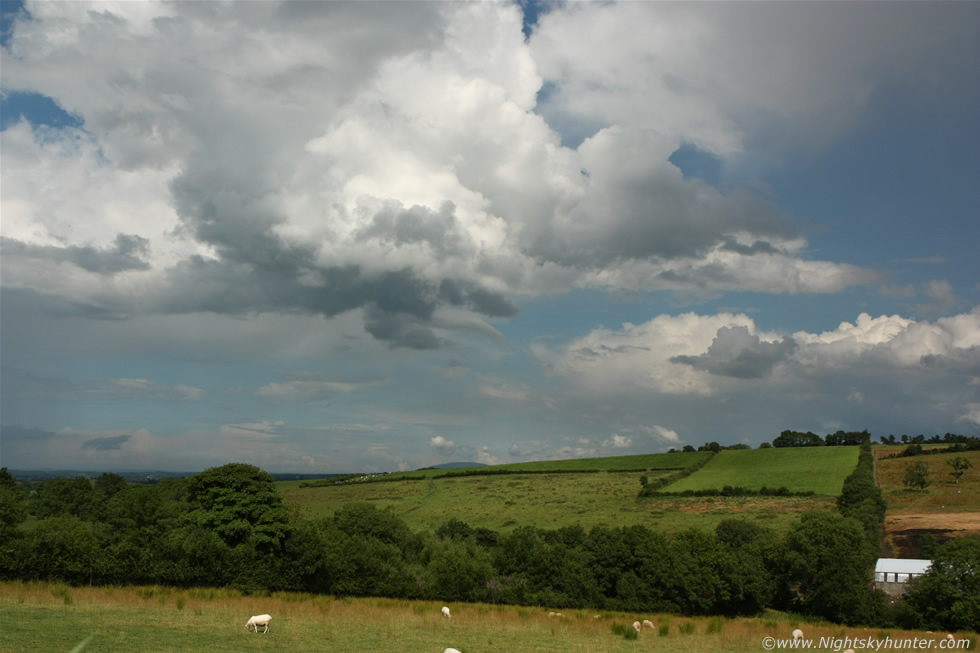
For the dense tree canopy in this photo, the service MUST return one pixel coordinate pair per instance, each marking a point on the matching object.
(227, 526)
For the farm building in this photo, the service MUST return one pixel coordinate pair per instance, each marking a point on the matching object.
(891, 574)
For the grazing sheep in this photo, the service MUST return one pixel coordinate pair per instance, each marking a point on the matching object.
(950, 637)
(797, 634)
(445, 612)
(647, 623)
(450, 650)
(258, 620)
(850, 650)
(636, 626)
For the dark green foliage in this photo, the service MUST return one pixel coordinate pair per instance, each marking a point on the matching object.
(829, 562)
(733, 491)
(8, 481)
(62, 548)
(736, 533)
(797, 439)
(860, 487)
(64, 496)
(955, 444)
(947, 596)
(366, 520)
(847, 438)
(13, 510)
(240, 504)
(227, 527)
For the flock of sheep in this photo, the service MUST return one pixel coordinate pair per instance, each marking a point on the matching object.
(258, 621)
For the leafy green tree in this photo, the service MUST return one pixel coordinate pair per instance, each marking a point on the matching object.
(8, 481)
(829, 567)
(366, 520)
(737, 532)
(240, 504)
(917, 475)
(454, 529)
(947, 596)
(13, 510)
(460, 569)
(959, 465)
(64, 496)
(797, 439)
(704, 573)
(63, 547)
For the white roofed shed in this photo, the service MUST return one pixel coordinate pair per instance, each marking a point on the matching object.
(899, 570)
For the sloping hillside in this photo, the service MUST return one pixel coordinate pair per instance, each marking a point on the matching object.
(940, 511)
(821, 470)
(584, 492)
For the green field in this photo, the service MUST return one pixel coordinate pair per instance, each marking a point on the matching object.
(642, 462)
(498, 502)
(502, 502)
(800, 469)
(44, 617)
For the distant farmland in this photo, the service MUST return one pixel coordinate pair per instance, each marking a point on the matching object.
(642, 462)
(587, 492)
(821, 470)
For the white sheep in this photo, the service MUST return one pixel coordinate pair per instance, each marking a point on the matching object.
(450, 650)
(258, 620)
(949, 636)
(636, 626)
(647, 623)
(797, 635)
(445, 612)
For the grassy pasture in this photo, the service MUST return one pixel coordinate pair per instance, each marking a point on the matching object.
(800, 469)
(498, 502)
(503, 502)
(944, 509)
(942, 495)
(55, 618)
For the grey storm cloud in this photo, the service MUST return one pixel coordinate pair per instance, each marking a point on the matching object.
(10, 432)
(440, 230)
(259, 272)
(106, 443)
(651, 212)
(736, 353)
(128, 253)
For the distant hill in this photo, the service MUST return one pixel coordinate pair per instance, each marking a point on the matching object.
(455, 465)
(142, 476)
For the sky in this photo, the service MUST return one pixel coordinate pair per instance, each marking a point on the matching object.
(332, 237)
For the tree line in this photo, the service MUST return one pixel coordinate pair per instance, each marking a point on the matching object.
(228, 526)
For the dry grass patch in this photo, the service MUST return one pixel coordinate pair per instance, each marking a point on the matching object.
(147, 619)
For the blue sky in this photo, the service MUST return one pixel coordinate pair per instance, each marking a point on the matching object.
(333, 237)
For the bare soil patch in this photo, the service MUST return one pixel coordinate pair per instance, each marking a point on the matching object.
(904, 531)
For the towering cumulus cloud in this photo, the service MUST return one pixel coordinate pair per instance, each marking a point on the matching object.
(389, 228)
(281, 164)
